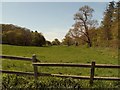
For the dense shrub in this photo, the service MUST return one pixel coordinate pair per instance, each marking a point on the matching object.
(14, 81)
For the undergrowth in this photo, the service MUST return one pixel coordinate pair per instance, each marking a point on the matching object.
(16, 82)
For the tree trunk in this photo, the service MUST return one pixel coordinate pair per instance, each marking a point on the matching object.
(87, 35)
(89, 44)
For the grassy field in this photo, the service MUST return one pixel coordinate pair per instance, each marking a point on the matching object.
(62, 54)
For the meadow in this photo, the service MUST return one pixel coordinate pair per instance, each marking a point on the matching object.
(62, 54)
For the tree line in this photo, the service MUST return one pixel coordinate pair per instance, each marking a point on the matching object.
(86, 32)
(14, 35)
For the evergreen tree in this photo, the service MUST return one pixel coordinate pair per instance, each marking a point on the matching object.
(108, 21)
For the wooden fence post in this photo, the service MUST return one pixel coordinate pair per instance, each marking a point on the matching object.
(35, 67)
(92, 72)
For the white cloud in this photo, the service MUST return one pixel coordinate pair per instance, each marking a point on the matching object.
(51, 34)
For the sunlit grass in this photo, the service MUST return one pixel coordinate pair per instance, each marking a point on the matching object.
(62, 54)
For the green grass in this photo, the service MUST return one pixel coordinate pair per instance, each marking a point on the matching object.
(62, 54)
(13, 82)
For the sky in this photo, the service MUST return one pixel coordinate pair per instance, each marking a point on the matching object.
(53, 19)
(57, 0)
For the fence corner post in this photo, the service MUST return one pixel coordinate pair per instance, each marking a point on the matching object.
(92, 72)
(35, 67)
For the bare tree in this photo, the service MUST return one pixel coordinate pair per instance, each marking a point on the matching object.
(83, 23)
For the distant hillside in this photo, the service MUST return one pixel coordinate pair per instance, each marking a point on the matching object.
(16, 35)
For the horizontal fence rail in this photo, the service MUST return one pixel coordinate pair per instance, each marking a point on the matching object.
(58, 75)
(16, 58)
(17, 72)
(107, 66)
(62, 64)
(36, 63)
(76, 65)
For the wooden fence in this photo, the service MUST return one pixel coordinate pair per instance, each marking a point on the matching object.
(36, 74)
